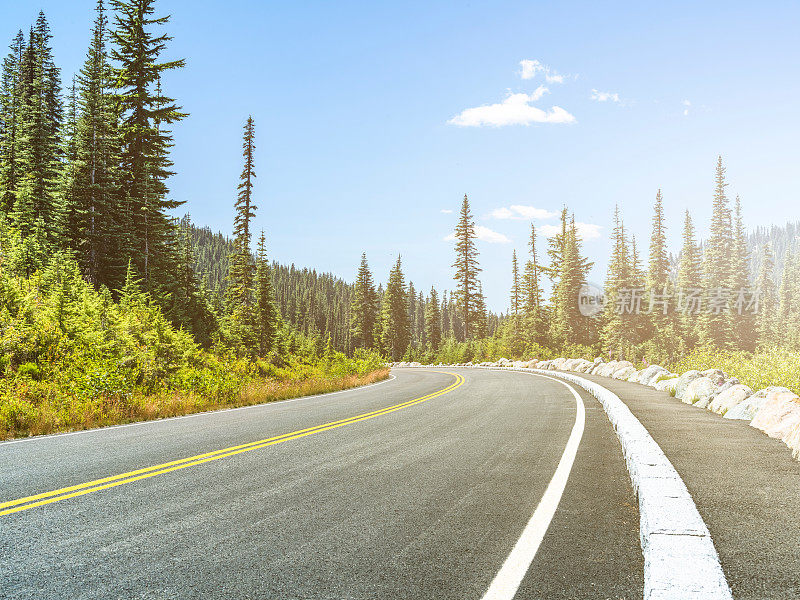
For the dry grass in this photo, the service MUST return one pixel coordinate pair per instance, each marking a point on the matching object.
(48, 417)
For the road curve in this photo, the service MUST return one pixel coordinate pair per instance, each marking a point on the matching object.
(419, 487)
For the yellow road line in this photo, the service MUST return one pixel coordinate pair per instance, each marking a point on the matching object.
(97, 485)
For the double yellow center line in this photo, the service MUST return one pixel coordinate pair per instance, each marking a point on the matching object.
(13, 506)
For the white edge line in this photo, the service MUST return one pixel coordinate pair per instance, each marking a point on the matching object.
(680, 560)
(193, 415)
(508, 579)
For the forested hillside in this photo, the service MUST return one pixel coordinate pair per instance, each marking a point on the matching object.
(316, 304)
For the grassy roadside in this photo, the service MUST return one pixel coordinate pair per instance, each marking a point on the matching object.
(776, 366)
(49, 416)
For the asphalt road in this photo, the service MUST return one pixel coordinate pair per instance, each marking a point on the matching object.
(425, 500)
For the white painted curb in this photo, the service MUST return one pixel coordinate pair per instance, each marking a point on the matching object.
(680, 561)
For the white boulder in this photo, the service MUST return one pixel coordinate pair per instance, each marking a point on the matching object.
(667, 384)
(684, 381)
(699, 391)
(718, 376)
(779, 416)
(647, 374)
(727, 399)
(624, 372)
(747, 409)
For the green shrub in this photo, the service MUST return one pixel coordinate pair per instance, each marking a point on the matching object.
(776, 366)
(29, 370)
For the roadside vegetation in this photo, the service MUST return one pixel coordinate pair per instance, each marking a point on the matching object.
(74, 357)
(106, 315)
(759, 370)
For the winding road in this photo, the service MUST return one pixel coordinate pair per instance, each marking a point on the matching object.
(434, 484)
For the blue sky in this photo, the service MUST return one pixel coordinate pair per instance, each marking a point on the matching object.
(365, 135)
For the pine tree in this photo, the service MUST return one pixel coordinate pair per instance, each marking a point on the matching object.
(480, 318)
(658, 285)
(413, 334)
(364, 308)
(516, 288)
(447, 324)
(467, 269)
(689, 283)
(11, 124)
(394, 315)
(617, 332)
(789, 302)
(532, 295)
(433, 321)
(240, 290)
(766, 325)
(742, 321)
(658, 267)
(267, 319)
(242, 270)
(41, 114)
(717, 266)
(145, 141)
(419, 318)
(96, 229)
(569, 271)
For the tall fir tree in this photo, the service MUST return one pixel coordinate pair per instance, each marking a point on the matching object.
(532, 295)
(364, 308)
(41, 116)
(433, 321)
(716, 323)
(394, 315)
(569, 271)
(11, 124)
(516, 287)
(95, 225)
(742, 320)
(789, 302)
(413, 334)
(145, 114)
(658, 265)
(467, 269)
(267, 321)
(617, 333)
(689, 284)
(766, 319)
(480, 316)
(241, 274)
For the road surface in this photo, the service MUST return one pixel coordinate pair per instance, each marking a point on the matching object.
(418, 487)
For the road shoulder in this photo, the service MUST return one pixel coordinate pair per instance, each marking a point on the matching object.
(745, 486)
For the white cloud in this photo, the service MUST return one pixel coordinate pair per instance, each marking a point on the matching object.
(502, 213)
(485, 235)
(605, 96)
(529, 69)
(587, 231)
(446, 211)
(516, 109)
(687, 104)
(521, 211)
